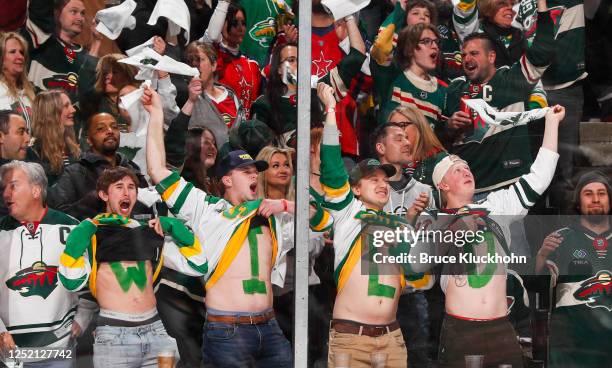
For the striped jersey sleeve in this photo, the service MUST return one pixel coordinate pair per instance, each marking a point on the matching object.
(188, 245)
(539, 56)
(184, 200)
(386, 40)
(334, 178)
(518, 199)
(465, 17)
(537, 99)
(75, 267)
(322, 220)
(341, 76)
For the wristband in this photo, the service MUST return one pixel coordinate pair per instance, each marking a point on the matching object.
(284, 202)
(330, 109)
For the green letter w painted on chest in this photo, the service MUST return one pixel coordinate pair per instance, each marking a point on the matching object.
(254, 285)
(127, 276)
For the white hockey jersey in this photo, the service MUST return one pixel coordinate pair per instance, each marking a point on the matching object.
(34, 307)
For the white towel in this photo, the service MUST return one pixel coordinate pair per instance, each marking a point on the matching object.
(176, 12)
(113, 20)
(342, 8)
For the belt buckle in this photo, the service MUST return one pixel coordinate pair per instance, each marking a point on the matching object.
(251, 319)
(382, 329)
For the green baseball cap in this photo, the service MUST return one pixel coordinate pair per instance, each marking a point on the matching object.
(368, 166)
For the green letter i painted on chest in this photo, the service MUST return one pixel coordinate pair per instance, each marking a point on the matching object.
(254, 285)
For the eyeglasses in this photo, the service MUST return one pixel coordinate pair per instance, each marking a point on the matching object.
(401, 124)
(430, 41)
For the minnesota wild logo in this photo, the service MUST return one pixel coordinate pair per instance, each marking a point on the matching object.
(596, 291)
(38, 279)
(67, 82)
(263, 32)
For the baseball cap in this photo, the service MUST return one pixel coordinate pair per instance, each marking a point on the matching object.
(368, 166)
(250, 135)
(237, 159)
(443, 164)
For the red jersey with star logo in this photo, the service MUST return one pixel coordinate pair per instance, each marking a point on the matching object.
(239, 73)
(228, 106)
(326, 53)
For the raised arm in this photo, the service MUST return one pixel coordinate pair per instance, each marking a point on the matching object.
(465, 17)
(385, 41)
(354, 35)
(334, 178)
(518, 199)
(156, 154)
(215, 25)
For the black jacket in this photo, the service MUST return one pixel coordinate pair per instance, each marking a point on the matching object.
(75, 193)
(505, 55)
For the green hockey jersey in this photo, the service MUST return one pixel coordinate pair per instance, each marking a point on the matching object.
(261, 20)
(581, 323)
(498, 158)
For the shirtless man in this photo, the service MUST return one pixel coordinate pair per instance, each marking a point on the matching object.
(476, 307)
(364, 316)
(118, 258)
(243, 244)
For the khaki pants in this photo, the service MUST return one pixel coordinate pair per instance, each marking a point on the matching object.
(361, 347)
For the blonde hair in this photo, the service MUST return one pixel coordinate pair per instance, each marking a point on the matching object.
(123, 74)
(266, 154)
(488, 8)
(426, 141)
(51, 138)
(22, 81)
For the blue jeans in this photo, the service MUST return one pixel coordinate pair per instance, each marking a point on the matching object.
(244, 345)
(131, 347)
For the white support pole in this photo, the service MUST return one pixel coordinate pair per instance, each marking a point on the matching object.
(300, 330)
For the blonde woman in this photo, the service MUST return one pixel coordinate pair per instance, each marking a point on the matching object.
(16, 92)
(55, 145)
(426, 148)
(277, 182)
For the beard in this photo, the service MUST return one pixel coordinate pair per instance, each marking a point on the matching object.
(596, 218)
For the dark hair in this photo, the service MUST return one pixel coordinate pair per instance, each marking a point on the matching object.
(113, 175)
(275, 88)
(433, 12)
(380, 133)
(487, 41)
(89, 122)
(408, 41)
(192, 166)
(232, 11)
(57, 10)
(5, 117)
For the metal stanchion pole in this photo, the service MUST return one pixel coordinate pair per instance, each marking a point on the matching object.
(300, 331)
